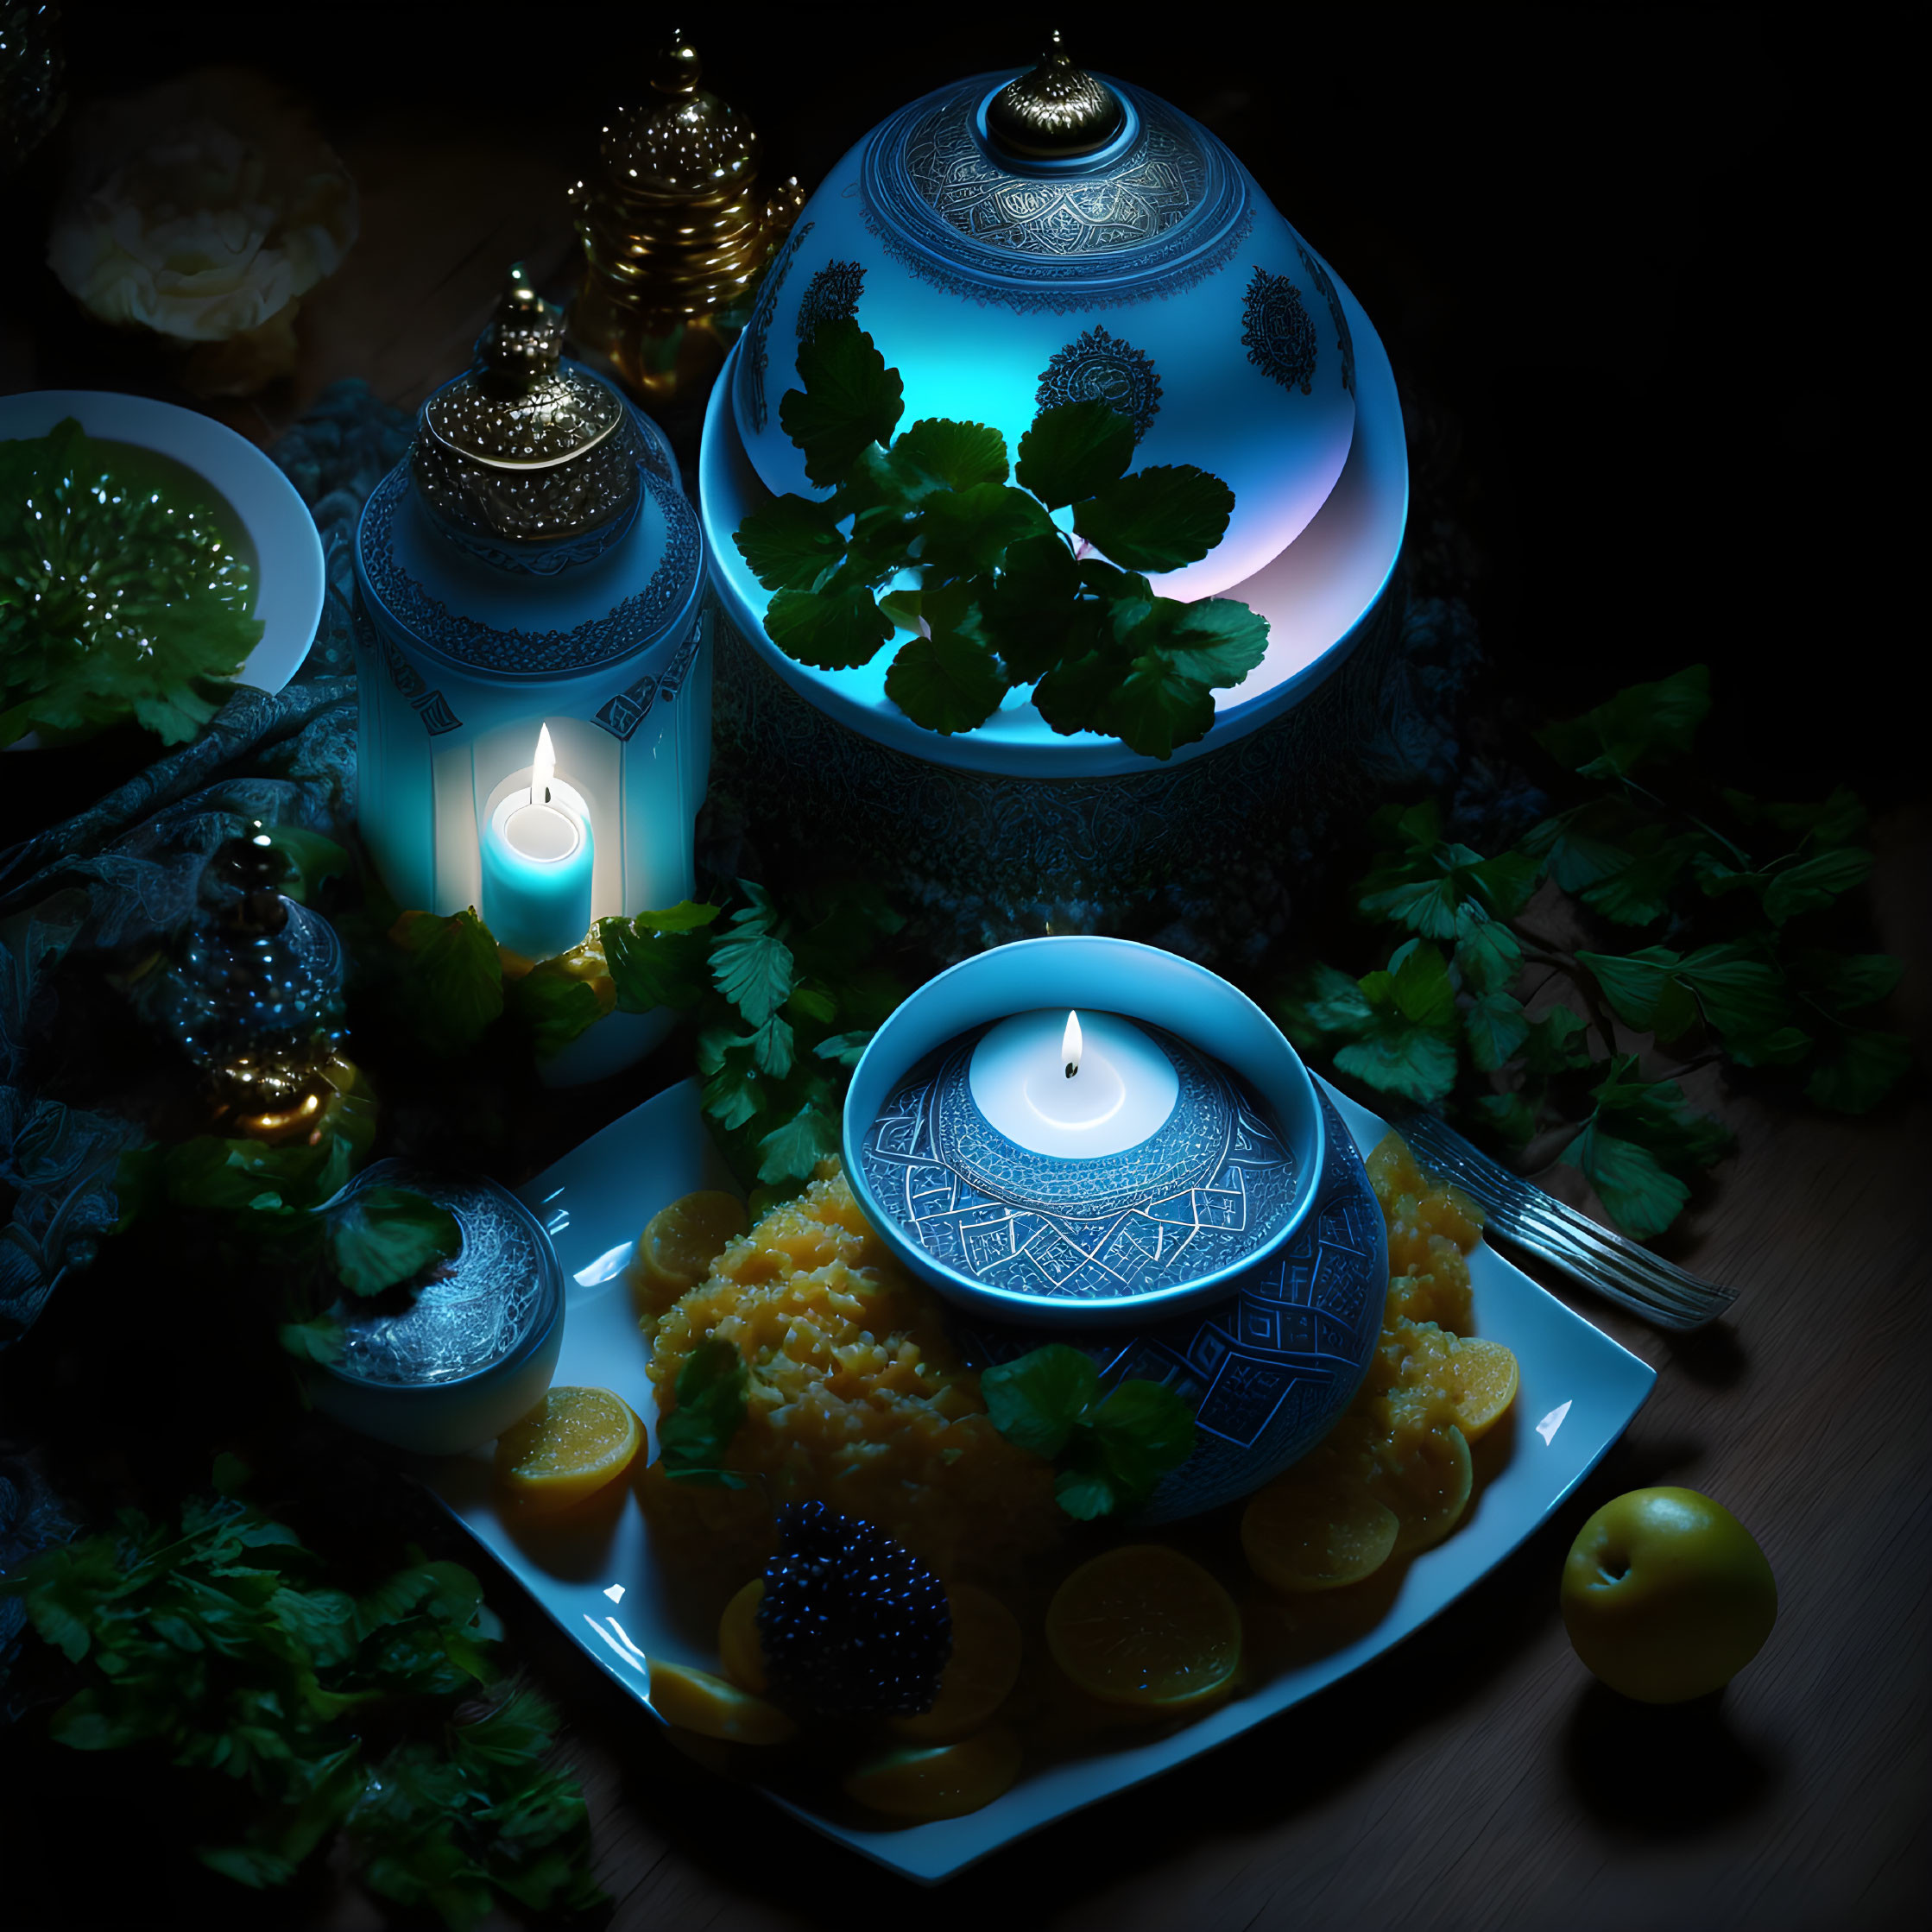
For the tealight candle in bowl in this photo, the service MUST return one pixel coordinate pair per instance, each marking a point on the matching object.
(538, 858)
(1182, 1204)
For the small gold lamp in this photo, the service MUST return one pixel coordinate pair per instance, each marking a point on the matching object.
(675, 234)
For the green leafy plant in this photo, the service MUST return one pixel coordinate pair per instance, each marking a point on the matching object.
(1000, 596)
(1112, 1448)
(782, 998)
(1741, 974)
(276, 1204)
(220, 1642)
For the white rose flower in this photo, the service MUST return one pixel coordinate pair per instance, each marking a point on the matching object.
(203, 210)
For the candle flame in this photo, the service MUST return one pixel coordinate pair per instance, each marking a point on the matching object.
(545, 769)
(1069, 1045)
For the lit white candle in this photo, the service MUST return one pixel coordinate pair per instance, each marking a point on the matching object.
(1121, 1089)
(537, 861)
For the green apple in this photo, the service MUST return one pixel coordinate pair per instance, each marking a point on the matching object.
(1666, 1595)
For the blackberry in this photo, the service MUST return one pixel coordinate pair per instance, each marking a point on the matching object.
(851, 1624)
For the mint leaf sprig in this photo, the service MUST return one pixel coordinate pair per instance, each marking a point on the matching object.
(1739, 887)
(1002, 598)
(1112, 1450)
(712, 1391)
(221, 1641)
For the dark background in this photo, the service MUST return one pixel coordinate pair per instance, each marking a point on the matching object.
(1624, 252)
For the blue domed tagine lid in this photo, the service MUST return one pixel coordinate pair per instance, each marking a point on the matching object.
(1015, 240)
(538, 528)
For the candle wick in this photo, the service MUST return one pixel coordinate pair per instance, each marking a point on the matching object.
(1073, 1067)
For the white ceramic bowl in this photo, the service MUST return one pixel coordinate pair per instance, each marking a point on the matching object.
(287, 548)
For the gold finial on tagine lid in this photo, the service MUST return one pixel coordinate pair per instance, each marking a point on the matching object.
(1057, 112)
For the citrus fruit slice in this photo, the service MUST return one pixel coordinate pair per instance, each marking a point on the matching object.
(983, 1669)
(1426, 1481)
(568, 1447)
(938, 1781)
(1486, 1379)
(1317, 1526)
(1145, 1626)
(696, 1700)
(679, 1242)
(738, 1647)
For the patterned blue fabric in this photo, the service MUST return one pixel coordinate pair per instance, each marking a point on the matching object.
(125, 871)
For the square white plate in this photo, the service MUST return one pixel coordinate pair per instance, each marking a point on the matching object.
(1579, 1391)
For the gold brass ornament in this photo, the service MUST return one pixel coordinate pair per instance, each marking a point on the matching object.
(676, 235)
(280, 1095)
(1057, 112)
(521, 448)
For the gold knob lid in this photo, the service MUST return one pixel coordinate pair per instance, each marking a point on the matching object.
(516, 409)
(683, 140)
(520, 446)
(1057, 112)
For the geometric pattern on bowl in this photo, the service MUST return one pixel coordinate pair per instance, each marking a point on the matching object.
(1205, 1189)
(1268, 1370)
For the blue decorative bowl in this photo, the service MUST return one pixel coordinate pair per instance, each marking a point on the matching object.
(1268, 1325)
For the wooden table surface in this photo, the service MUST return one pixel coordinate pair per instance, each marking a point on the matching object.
(1475, 1776)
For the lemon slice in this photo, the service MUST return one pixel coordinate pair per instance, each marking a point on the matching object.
(1145, 1626)
(679, 1242)
(1317, 1526)
(1486, 1378)
(738, 1648)
(938, 1781)
(696, 1700)
(568, 1447)
(1427, 1483)
(979, 1675)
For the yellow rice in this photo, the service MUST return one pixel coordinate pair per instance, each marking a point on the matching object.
(856, 1397)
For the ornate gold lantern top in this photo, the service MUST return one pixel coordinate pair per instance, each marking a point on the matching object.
(524, 447)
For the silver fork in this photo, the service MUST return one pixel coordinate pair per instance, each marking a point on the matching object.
(1603, 1262)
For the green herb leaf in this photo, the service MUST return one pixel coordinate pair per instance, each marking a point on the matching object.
(966, 532)
(1156, 708)
(1145, 1429)
(1556, 1043)
(848, 1049)
(1584, 845)
(832, 630)
(950, 681)
(658, 959)
(711, 1392)
(1814, 883)
(1863, 1068)
(1157, 520)
(1214, 640)
(791, 543)
(1321, 1003)
(953, 455)
(792, 1151)
(849, 399)
(555, 1005)
(1036, 1400)
(902, 608)
(1843, 982)
(383, 1235)
(1642, 989)
(1496, 1027)
(1074, 450)
(754, 970)
(1638, 725)
(1488, 957)
(1637, 892)
(1642, 1199)
(453, 980)
(734, 1094)
(1511, 1117)
(1085, 1493)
